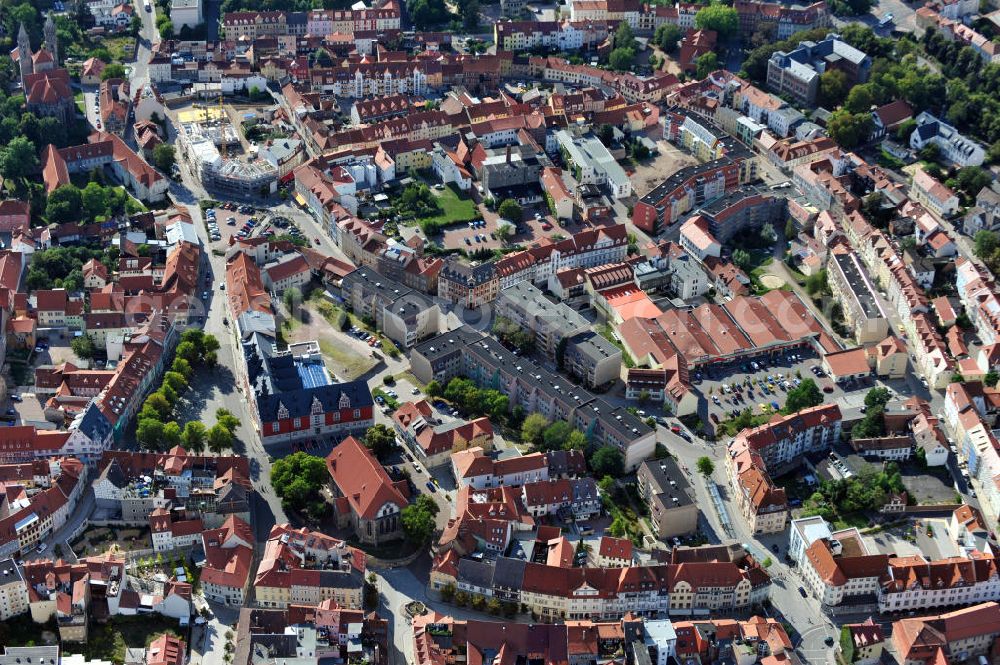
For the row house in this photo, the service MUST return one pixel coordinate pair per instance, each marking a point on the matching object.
(560, 593)
(953, 637)
(782, 442)
(473, 468)
(300, 566)
(34, 513)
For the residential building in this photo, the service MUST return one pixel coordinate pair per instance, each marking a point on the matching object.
(952, 146)
(229, 551)
(473, 468)
(488, 363)
(863, 313)
(953, 637)
(303, 567)
(402, 314)
(592, 164)
(13, 591)
(434, 442)
(551, 322)
(933, 194)
(565, 498)
(667, 493)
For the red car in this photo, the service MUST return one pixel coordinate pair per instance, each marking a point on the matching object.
(675, 429)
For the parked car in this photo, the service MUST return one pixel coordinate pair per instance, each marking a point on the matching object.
(431, 487)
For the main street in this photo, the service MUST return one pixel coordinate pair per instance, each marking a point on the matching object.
(802, 613)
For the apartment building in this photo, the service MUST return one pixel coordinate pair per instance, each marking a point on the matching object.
(782, 442)
(473, 468)
(863, 312)
(404, 315)
(592, 164)
(13, 590)
(303, 567)
(953, 637)
(434, 442)
(953, 146)
(225, 576)
(535, 389)
(551, 322)
(667, 493)
(762, 504)
(933, 194)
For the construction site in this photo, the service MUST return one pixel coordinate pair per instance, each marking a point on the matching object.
(211, 143)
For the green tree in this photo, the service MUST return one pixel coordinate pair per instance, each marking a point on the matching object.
(742, 258)
(84, 347)
(555, 435)
(723, 19)
(806, 394)
(849, 129)
(418, 519)
(620, 59)
(94, 199)
(705, 64)
(64, 205)
(767, 234)
(985, 243)
(171, 434)
(607, 461)
(225, 418)
(176, 381)
(149, 432)
(158, 405)
(533, 427)
(510, 209)
(470, 15)
(164, 157)
(705, 466)
(298, 478)
(623, 37)
(19, 159)
(194, 436)
(667, 36)
(833, 87)
(971, 179)
(292, 298)
(219, 439)
(113, 71)
(877, 397)
(380, 440)
(860, 99)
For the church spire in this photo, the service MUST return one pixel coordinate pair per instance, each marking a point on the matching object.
(24, 54)
(51, 41)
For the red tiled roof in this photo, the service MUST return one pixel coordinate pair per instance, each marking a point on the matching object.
(361, 479)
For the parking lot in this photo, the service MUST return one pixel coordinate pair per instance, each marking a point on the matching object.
(760, 384)
(242, 221)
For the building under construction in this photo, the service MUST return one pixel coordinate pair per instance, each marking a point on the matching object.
(205, 138)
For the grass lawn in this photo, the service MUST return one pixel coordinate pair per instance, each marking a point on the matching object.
(121, 48)
(852, 519)
(455, 207)
(346, 364)
(109, 641)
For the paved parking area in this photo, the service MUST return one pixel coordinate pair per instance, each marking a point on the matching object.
(754, 382)
(230, 222)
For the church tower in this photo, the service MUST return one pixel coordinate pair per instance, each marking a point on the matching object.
(24, 54)
(51, 43)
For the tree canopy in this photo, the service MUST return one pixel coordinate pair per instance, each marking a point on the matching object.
(297, 480)
(724, 19)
